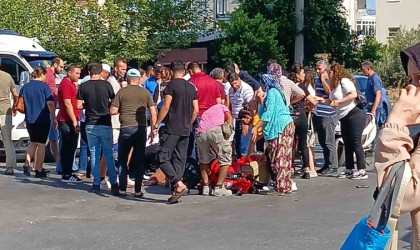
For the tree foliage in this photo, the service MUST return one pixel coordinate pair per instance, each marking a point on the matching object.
(389, 65)
(250, 42)
(81, 31)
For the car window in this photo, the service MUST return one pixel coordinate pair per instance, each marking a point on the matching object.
(11, 66)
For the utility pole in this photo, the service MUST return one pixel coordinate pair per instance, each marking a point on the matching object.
(299, 40)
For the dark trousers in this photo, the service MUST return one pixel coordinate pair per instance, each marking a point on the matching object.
(69, 139)
(172, 156)
(352, 126)
(301, 133)
(237, 138)
(132, 137)
(325, 129)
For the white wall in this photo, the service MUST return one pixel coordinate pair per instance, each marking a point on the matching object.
(394, 13)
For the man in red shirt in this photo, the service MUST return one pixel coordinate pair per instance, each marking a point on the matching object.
(208, 92)
(68, 121)
(57, 66)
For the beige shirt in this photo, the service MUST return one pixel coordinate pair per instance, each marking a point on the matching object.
(6, 86)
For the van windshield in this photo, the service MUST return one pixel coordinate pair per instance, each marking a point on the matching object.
(36, 62)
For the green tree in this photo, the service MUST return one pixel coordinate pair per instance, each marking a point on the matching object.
(389, 65)
(250, 42)
(80, 31)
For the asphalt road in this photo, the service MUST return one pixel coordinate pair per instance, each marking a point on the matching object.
(47, 214)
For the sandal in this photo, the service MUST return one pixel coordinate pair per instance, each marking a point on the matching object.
(9, 171)
(138, 196)
(177, 196)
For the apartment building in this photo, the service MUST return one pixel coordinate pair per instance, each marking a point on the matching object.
(393, 14)
(361, 16)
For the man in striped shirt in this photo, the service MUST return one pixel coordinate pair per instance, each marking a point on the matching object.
(325, 120)
(240, 93)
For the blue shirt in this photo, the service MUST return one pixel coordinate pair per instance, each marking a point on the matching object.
(150, 84)
(275, 114)
(374, 83)
(319, 89)
(322, 110)
(36, 94)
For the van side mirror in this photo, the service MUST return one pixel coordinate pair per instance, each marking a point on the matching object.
(24, 77)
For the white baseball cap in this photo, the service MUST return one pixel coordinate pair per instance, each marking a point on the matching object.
(106, 67)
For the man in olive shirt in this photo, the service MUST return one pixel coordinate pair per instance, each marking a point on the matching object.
(131, 103)
(7, 87)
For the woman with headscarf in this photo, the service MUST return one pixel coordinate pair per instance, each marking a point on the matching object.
(278, 130)
(398, 143)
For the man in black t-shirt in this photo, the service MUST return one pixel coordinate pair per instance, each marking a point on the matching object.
(181, 106)
(95, 97)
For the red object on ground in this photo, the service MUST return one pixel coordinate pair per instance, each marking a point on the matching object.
(239, 183)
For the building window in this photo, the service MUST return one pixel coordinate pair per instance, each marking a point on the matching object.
(221, 7)
(392, 31)
(366, 27)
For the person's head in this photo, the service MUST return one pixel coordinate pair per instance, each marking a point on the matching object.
(218, 74)
(73, 72)
(321, 67)
(133, 77)
(297, 74)
(150, 71)
(338, 72)
(271, 61)
(245, 115)
(120, 67)
(165, 74)
(276, 70)
(106, 71)
(95, 69)
(178, 69)
(156, 68)
(39, 74)
(410, 58)
(269, 81)
(143, 78)
(309, 77)
(230, 68)
(193, 68)
(234, 80)
(57, 65)
(367, 68)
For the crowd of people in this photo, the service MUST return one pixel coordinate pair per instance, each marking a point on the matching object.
(226, 113)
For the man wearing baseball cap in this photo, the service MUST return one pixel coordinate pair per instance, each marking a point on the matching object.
(131, 103)
(153, 81)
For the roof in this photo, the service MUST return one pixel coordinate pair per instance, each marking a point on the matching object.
(14, 43)
(184, 55)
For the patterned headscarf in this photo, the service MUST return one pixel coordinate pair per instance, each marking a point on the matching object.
(270, 82)
(275, 70)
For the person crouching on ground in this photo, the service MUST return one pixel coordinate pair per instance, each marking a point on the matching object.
(209, 135)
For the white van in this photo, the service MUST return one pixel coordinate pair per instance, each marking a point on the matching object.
(19, 56)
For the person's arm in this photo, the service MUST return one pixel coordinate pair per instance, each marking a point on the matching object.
(79, 104)
(15, 99)
(219, 100)
(51, 108)
(70, 111)
(377, 88)
(246, 77)
(325, 84)
(163, 111)
(297, 94)
(346, 87)
(229, 117)
(113, 110)
(195, 111)
(115, 105)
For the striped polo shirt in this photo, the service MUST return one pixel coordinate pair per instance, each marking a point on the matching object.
(323, 110)
(240, 97)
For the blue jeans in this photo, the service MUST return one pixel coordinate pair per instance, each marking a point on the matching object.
(100, 137)
(132, 137)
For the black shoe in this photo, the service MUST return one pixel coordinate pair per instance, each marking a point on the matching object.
(306, 175)
(115, 191)
(71, 178)
(40, 174)
(26, 170)
(46, 170)
(319, 171)
(95, 188)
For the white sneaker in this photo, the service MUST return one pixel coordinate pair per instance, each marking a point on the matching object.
(313, 174)
(359, 175)
(105, 183)
(206, 190)
(130, 183)
(221, 191)
(294, 187)
(146, 177)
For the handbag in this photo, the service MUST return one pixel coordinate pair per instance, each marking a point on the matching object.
(311, 131)
(20, 105)
(377, 231)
